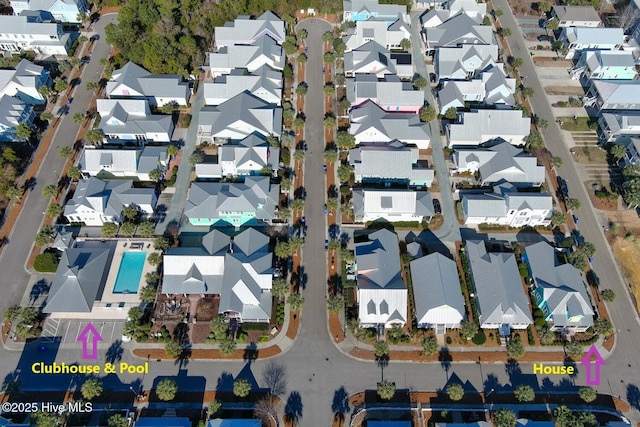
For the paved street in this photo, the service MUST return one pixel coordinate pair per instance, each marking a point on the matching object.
(316, 368)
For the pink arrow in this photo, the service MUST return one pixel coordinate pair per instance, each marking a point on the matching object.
(89, 333)
(586, 362)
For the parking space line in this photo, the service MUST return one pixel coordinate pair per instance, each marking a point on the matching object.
(66, 332)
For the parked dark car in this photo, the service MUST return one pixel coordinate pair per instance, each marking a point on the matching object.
(543, 38)
(432, 77)
(437, 209)
(326, 244)
(563, 190)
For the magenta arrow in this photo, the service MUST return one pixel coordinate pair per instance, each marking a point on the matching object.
(586, 361)
(89, 333)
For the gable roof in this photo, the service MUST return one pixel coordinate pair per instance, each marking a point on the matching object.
(378, 262)
(401, 126)
(458, 30)
(256, 194)
(244, 30)
(502, 161)
(244, 56)
(241, 116)
(265, 83)
(133, 77)
(501, 297)
(122, 160)
(358, 6)
(107, 197)
(131, 116)
(377, 31)
(618, 94)
(80, 275)
(436, 290)
(11, 111)
(26, 74)
(562, 287)
(371, 160)
(477, 126)
(392, 202)
(458, 62)
(596, 59)
(576, 13)
(389, 90)
(597, 36)
(369, 55)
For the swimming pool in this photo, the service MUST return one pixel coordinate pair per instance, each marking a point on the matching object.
(129, 273)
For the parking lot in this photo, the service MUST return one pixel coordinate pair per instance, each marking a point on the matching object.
(67, 330)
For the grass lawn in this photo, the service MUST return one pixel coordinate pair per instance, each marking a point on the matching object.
(577, 124)
(627, 252)
(589, 154)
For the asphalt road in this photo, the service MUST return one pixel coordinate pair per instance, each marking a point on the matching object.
(317, 372)
(12, 263)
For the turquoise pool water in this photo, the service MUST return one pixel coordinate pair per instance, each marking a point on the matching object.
(129, 273)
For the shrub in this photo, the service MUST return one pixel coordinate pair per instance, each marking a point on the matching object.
(539, 323)
(480, 338)
(530, 337)
(46, 263)
(449, 340)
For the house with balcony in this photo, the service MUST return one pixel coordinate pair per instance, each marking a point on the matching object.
(14, 112)
(616, 124)
(500, 162)
(436, 290)
(632, 156)
(265, 51)
(389, 92)
(227, 203)
(457, 31)
(96, 201)
(380, 32)
(465, 61)
(500, 296)
(605, 65)
(578, 39)
(237, 118)
(559, 290)
(382, 294)
(236, 269)
(576, 16)
(370, 123)
(265, 83)
(479, 126)
(19, 33)
(365, 10)
(393, 205)
(371, 58)
(68, 11)
(492, 87)
(616, 96)
(507, 206)
(104, 163)
(371, 164)
(130, 122)
(24, 82)
(246, 157)
(134, 82)
(245, 31)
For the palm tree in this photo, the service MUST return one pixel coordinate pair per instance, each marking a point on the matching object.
(329, 122)
(166, 389)
(24, 131)
(301, 89)
(455, 391)
(335, 304)
(297, 204)
(298, 123)
(109, 229)
(504, 32)
(282, 249)
(65, 152)
(74, 172)
(329, 89)
(94, 136)
(55, 210)
(556, 162)
(50, 191)
(92, 86)
(12, 191)
(46, 116)
(302, 34)
(329, 57)
(327, 36)
(280, 288)
(147, 228)
(91, 388)
(227, 346)
(78, 118)
(386, 390)
(333, 203)
(301, 58)
(298, 155)
(241, 388)
(405, 44)
(330, 155)
(296, 302)
(172, 150)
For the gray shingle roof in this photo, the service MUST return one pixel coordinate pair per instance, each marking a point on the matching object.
(265, 83)
(501, 162)
(252, 57)
(369, 56)
(242, 277)
(244, 30)
(371, 160)
(436, 290)
(378, 261)
(150, 85)
(563, 289)
(256, 194)
(576, 13)
(26, 74)
(389, 90)
(131, 117)
(618, 94)
(478, 126)
(458, 62)
(241, 116)
(404, 127)
(499, 290)
(459, 30)
(80, 277)
(107, 197)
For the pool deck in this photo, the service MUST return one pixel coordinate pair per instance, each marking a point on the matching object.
(108, 296)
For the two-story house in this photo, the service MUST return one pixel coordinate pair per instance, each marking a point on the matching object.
(13, 112)
(502, 302)
(265, 83)
(24, 82)
(613, 95)
(559, 290)
(372, 58)
(456, 31)
(385, 35)
(389, 92)
(18, 33)
(130, 122)
(605, 65)
(123, 163)
(392, 205)
(364, 10)
(464, 61)
(265, 51)
(613, 125)
(382, 294)
(576, 16)
(478, 126)
(244, 30)
(578, 39)
(69, 11)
